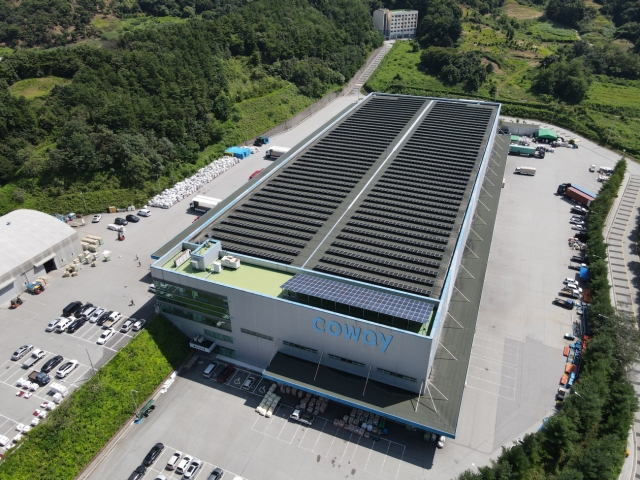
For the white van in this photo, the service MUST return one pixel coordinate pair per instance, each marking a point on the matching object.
(209, 370)
(144, 212)
(64, 323)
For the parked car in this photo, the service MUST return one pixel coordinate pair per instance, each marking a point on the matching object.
(127, 326)
(132, 218)
(173, 461)
(64, 323)
(577, 218)
(144, 212)
(578, 221)
(592, 168)
(76, 324)
(248, 383)
(96, 218)
(87, 310)
(139, 324)
(71, 309)
(138, 473)
(52, 324)
(217, 474)
(152, 288)
(103, 318)
(183, 464)
(52, 363)
(569, 280)
(153, 454)
(97, 313)
(579, 210)
(193, 469)
(573, 286)
(225, 373)
(21, 352)
(161, 477)
(35, 357)
(106, 336)
(580, 228)
(121, 221)
(569, 336)
(67, 368)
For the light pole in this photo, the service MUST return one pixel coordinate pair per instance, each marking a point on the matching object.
(608, 136)
(554, 110)
(90, 362)
(134, 403)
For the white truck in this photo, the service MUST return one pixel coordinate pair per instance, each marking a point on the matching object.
(275, 152)
(36, 356)
(302, 417)
(526, 171)
(203, 204)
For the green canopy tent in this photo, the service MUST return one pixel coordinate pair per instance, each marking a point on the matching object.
(515, 138)
(547, 134)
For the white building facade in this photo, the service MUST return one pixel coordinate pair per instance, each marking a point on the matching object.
(396, 23)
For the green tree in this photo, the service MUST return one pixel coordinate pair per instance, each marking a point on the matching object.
(442, 25)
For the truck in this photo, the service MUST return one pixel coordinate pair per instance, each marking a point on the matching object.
(302, 417)
(275, 152)
(114, 318)
(261, 140)
(525, 171)
(568, 304)
(36, 356)
(40, 378)
(203, 204)
(576, 193)
(522, 150)
(570, 292)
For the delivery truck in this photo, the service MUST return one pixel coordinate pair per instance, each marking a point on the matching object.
(275, 152)
(525, 171)
(522, 150)
(302, 417)
(203, 204)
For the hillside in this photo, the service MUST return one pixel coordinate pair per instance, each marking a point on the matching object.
(119, 118)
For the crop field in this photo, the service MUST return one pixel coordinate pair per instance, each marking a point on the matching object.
(521, 12)
(36, 87)
(552, 32)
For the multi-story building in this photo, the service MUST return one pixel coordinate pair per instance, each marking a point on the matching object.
(334, 270)
(396, 23)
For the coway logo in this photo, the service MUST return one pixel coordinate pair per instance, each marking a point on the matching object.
(368, 337)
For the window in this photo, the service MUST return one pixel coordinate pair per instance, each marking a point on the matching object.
(256, 334)
(294, 345)
(218, 336)
(227, 352)
(397, 375)
(346, 360)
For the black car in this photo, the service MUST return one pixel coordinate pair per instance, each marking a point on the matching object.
(216, 474)
(121, 221)
(51, 364)
(153, 454)
(578, 210)
(133, 218)
(103, 318)
(138, 473)
(71, 309)
(76, 324)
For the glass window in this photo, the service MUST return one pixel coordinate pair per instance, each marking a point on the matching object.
(256, 334)
(195, 316)
(295, 345)
(227, 352)
(397, 375)
(346, 360)
(218, 336)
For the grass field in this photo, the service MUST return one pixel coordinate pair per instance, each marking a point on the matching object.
(521, 12)
(112, 27)
(547, 31)
(36, 87)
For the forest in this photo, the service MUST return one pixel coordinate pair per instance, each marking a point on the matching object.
(138, 110)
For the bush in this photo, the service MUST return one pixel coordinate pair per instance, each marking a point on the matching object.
(74, 433)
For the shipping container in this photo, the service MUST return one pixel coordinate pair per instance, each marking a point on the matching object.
(580, 197)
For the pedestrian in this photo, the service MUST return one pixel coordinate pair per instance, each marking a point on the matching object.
(139, 264)
(131, 304)
(136, 257)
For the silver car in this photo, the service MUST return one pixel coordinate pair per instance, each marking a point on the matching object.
(193, 469)
(21, 352)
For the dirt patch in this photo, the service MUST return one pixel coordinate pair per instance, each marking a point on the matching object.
(496, 68)
(521, 12)
(623, 42)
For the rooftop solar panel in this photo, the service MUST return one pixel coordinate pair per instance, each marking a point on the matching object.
(360, 297)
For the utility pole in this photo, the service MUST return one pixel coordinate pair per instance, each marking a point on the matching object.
(554, 110)
(609, 136)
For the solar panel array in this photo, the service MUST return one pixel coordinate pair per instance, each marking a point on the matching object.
(413, 210)
(286, 212)
(366, 298)
(341, 206)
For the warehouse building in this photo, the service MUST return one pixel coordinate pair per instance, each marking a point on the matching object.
(396, 23)
(335, 270)
(32, 244)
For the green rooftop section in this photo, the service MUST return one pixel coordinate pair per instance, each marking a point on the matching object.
(248, 277)
(515, 138)
(547, 134)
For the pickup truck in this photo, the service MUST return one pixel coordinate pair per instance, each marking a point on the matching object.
(302, 417)
(39, 377)
(569, 292)
(36, 356)
(568, 304)
(114, 318)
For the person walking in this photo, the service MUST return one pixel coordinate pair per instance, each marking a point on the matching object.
(136, 257)
(139, 264)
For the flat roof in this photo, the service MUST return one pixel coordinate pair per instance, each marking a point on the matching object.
(438, 408)
(379, 197)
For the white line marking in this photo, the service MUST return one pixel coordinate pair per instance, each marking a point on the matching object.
(489, 371)
(494, 361)
(492, 393)
(494, 383)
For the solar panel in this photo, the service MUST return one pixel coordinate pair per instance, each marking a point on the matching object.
(381, 302)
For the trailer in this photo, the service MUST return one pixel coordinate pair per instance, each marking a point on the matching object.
(579, 196)
(275, 152)
(525, 171)
(203, 204)
(522, 150)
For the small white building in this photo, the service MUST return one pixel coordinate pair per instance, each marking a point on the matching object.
(32, 243)
(396, 23)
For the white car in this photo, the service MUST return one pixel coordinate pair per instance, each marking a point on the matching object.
(144, 212)
(67, 368)
(115, 316)
(577, 221)
(569, 280)
(127, 326)
(52, 324)
(592, 168)
(580, 228)
(193, 469)
(96, 218)
(173, 461)
(182, 466)
(574, 286)
(97, 313)
(139, 324)
(106, 335)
